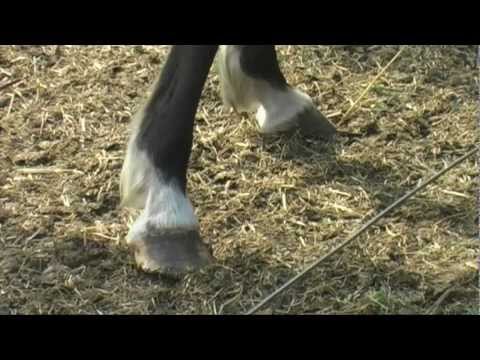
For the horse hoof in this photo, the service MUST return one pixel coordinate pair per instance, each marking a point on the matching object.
(171, 252)
(313, 123)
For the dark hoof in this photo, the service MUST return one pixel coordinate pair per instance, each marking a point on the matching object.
(171, 252)
(313, 123)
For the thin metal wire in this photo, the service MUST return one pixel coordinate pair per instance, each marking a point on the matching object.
(359, 232)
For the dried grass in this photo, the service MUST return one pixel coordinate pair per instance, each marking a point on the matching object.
(267, 205)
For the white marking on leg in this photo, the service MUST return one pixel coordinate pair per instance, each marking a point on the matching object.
(137, 169)
(280, 108)
(142, 187)
(167, 208)
(238, 89)
(136, 172)
(276, 109)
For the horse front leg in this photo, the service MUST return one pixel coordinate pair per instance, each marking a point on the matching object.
(166, 237)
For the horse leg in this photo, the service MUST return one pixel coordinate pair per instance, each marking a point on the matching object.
(166, 236)
(252, 81)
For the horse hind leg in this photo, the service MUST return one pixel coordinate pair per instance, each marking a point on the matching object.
(251, 81)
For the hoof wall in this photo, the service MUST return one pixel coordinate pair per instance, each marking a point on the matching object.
(171, 252)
